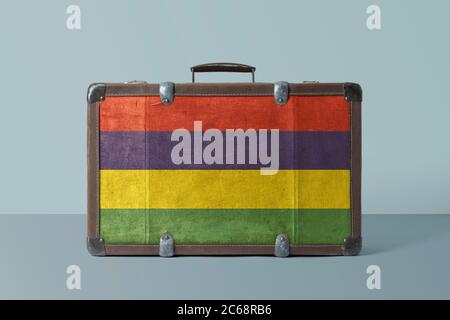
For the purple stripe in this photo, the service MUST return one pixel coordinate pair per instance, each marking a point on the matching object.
(298, 150)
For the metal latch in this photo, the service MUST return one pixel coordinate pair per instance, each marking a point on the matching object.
(167, 92)
(281, 92)
(282, 246)
(166, 247)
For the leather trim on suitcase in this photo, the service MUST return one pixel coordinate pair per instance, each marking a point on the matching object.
(355, 178)
(93, 170)
(224, 89)
(313, 250)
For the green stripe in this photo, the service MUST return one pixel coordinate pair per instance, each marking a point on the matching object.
(224, 226)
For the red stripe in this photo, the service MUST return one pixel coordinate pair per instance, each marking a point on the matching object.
(311, 113)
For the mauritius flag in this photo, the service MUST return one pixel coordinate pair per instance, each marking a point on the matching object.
(195, 169)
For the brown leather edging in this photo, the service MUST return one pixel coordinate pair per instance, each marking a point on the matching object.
(92, 171)
(356, 168)
(224, 89)
(218, 250)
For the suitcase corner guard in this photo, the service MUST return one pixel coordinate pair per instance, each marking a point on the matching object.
(353, 92)
(96, 246)
(352, 246)
(96, 92)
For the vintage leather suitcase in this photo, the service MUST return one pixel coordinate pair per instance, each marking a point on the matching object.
(224, 168)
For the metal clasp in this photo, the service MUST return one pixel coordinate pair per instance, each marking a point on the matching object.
(167, 92)
(281, 92)
(166, 246)
(282, 246)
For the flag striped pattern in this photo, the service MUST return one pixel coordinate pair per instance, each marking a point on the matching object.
(143, 194)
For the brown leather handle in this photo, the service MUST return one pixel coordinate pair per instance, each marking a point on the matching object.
(223, 67)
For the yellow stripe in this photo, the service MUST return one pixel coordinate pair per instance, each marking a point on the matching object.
(224, 189)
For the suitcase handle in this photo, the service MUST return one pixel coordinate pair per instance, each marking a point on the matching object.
(223, 67)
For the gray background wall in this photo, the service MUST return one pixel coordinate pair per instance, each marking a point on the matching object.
(403, 68)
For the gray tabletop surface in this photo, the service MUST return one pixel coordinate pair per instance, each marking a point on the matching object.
(412, 252)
